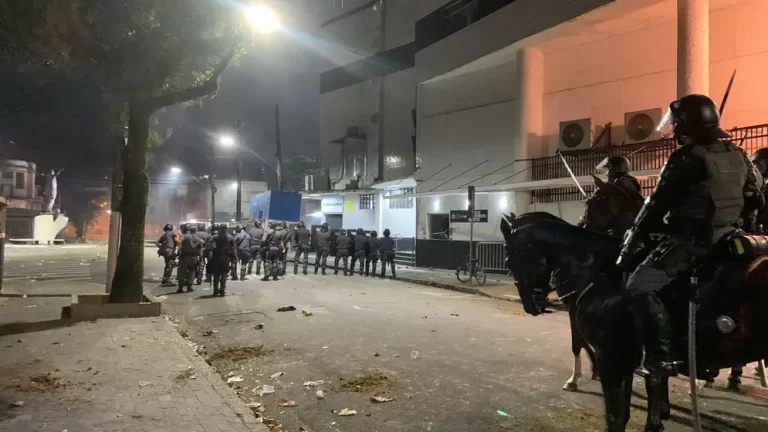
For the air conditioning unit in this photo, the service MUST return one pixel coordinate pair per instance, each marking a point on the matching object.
(575, 135)
(640, 126)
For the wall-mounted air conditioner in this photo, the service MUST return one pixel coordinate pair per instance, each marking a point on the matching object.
(640, 126)
(575, 135)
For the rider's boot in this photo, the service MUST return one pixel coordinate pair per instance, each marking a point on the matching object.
(656, 332)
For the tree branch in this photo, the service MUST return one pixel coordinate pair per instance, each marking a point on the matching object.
(211, 85)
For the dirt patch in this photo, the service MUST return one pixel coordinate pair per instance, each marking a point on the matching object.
(185, 375)
(239, 354)
(367, 381)
(44, 383)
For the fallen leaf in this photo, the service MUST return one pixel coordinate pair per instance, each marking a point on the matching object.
(145, 383)
(286, 309)
(381, 399)
(286, 403)
(347, 412)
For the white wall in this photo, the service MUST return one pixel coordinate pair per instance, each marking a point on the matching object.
(365, 219)
(401, 222)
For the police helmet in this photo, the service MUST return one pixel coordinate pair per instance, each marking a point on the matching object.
(192, 228)
(273, 225)
(324, 227)
(360, 231)
(342, 232)
(283, 225)
(374, 234)
(696, 116)
(238, 228)
(184, 228)
(223, 228)
(168, 227)
(760, 160)
(257, 224)
(386, 232)
(300, 225)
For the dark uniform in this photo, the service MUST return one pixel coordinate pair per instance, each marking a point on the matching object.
(286, 237)
(342, 251)
(190, 250)
(243, 243)
(256, 232)
(209, 245)
(166, 248)
(373, 254)
(224, 250)
(302, 239)
(322, 247)
(760, 160)
(706, 186)
(199, 231)
(387, 251)
(271, 246)
(360, 244)
(617, 169)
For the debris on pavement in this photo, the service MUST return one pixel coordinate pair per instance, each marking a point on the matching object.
(231, 374)
(376, 354)
(265, 390)
(357, 307)
(286, 309)
(209, 332)
(259, 326)
(368, 381)
(146, 383)
(17, 404)
(286, 403)
(381, 399)
(454, 314)
(306, 312)
(313, 383)
(347, 412)
(277, 375)
(235, 379)
(415, 354)
(502, 413)
(320, 394)
(395, 355)
(31, 306)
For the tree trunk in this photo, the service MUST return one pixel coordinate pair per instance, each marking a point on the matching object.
(127, 284)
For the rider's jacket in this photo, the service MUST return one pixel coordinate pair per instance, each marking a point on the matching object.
(626, 181)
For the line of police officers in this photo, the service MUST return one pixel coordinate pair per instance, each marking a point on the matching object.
(218, 252)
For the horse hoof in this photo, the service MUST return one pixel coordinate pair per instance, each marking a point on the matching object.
(595, 377)
(733, 385)
(571, 387)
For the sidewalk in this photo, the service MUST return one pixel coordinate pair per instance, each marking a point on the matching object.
(107, 375)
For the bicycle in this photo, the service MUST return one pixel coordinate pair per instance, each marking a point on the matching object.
(471, 269)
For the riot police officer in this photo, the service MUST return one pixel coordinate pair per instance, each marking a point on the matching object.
(342, 251)
(224, 250)
(372, 256)
(199, 231)
(360, 243)
(302, 239)
(706, 186)
(256, 232)
(618, 169)
(387, 250)
(209, 245)
(272, 244)
(322, 247)
(285, 236)
(166, 248)
(189, 250)
(760, 160)
(243, 243)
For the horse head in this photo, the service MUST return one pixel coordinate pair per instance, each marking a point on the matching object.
(611, 208)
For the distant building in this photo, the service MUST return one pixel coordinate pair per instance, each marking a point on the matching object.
(17, 183)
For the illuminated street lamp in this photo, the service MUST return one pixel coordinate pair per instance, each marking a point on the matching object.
(227, 141)
(263, 19)
(175, 170)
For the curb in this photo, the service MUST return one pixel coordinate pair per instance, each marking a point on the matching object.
(462, 289)
(744, 390)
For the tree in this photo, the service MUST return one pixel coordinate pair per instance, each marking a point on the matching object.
(296, 168)
(145, 55)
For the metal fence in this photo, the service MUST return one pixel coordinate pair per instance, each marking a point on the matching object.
(642, 156)
(405, 251)
(491, 255)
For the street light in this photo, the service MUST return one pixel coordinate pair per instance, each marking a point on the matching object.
(175, 170)
(263, 19)
(227, 141)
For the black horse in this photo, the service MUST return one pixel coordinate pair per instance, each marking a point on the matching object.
(580, 266)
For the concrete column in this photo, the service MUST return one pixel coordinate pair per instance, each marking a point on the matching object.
(692, 47)
(527, 141)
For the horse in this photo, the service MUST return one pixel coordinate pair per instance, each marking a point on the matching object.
(581, 266)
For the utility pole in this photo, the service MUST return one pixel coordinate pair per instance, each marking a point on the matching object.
(114, 216)
(213, 192)
(239, 196)
(278, 149)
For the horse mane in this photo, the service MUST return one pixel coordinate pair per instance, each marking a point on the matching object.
(559, 232)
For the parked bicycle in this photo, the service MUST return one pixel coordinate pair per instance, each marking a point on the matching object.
(469, 270)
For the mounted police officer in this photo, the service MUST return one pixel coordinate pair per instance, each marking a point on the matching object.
(360, 243)
(190, 250)
(224, 252)
(342, 251)
(322, 247)
(706, 186)
(256, 232)
(272, 244)
(243, 243)
(372, 256)
(387, 250)
(302, 239)
(166, 248)
(760, 160)
(618, 168)
(199, 231)
(285, 236)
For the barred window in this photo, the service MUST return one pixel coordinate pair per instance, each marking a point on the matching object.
(401, 203)
(367, 202)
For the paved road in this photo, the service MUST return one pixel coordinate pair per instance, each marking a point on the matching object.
(480, 365)
(65, 262)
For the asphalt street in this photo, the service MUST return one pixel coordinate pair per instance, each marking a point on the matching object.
(451, 361)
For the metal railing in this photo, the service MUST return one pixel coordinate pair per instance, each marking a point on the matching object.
(642, 156)
(491, 255)
(405, 251)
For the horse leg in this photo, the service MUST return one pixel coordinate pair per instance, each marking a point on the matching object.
(577, 342)
(593, 360)
(654, 388)
(617, 391)
(665, 407)
(734, 379)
